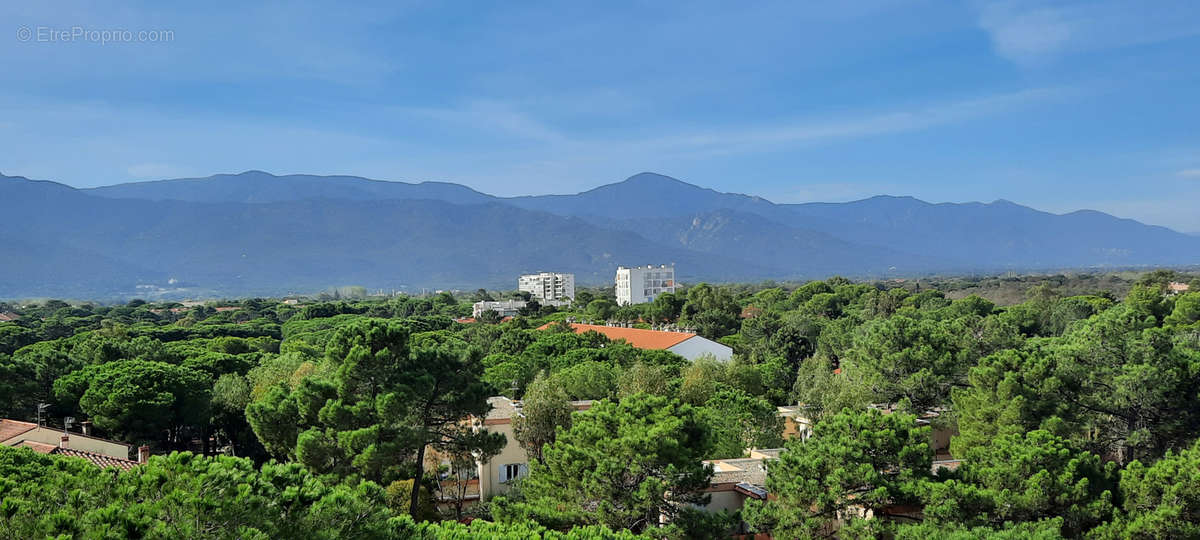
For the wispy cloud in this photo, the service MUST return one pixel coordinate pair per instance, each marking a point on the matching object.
(510, 120)
(1189, 173)
(1037, 31)
(491, 115)
(740, 139)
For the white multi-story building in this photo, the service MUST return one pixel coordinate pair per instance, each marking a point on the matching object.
(506, 308)
(548, 286)
(642, 284)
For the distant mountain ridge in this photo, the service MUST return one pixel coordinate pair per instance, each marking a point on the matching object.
(257, 233)
(262, 187)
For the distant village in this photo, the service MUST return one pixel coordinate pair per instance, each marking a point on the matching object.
(634, 285)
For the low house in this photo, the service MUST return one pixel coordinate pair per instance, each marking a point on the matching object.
(506, 308)
(940, 432)
(496, 475)
(796, 423)
(1175, 287)
(685, 344)
(472, 320)
(44, 440)
(736, 481)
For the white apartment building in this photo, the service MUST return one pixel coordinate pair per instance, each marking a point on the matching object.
(548, 286)
(642, 284)
(506, 308)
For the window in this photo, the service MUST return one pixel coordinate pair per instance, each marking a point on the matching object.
(512, 471)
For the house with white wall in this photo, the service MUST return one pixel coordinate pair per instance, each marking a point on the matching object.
(686, 344)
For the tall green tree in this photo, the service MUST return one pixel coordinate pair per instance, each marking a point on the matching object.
(544, 410)
(1160, 500)
(625, 465)
(1026, 478)
(141, 402)
(739, 421)
(386, 398)
(855, 464)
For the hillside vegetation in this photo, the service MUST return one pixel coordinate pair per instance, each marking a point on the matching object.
(1075, 415)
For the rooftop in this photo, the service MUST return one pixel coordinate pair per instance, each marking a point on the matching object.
(503, 408)
(99, 460)
(741, 470)
(642, 339)
(12, 428)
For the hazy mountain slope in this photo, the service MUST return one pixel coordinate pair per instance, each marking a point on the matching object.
(36, 269)
(255, 233)
(964, 236)
(260, 187)
(304, 245)
(752, 237)
(645, 195)
(1001, 234)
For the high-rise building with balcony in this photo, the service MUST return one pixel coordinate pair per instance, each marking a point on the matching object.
(548, 286)
(641, 284)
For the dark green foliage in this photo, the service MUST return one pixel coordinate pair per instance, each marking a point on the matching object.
(1027, 478)
(1161, 500)
(621, 464)
(544, 410)
(140, 401)
(188, 496)
(738, 421)
(1076, 412)
(854, 463)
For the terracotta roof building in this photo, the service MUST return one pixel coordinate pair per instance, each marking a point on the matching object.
(49, 440)
(99, 460)
(685, 344)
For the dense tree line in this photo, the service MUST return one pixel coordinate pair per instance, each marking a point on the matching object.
(1075, 416)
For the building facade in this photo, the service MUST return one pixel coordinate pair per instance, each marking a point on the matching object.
(497, 474)
(506, 308)
(548, 286)
(685, 344)
(642, 284)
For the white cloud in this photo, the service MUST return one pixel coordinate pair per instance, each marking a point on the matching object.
(1189, 173)
(1038, 31)
(745, 139)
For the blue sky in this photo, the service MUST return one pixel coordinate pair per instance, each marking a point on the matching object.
(1059, 106)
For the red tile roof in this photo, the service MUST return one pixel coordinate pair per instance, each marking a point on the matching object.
(99, 460)
(642, 339)
(9, 316)
(41, 448)
(12, 428)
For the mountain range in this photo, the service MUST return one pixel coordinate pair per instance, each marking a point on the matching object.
(255, 233)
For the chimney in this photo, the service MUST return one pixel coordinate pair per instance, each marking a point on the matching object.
(143, 453)
(62, 443)
(86, 427)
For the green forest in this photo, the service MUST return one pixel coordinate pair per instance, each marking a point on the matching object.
(1075, 414)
